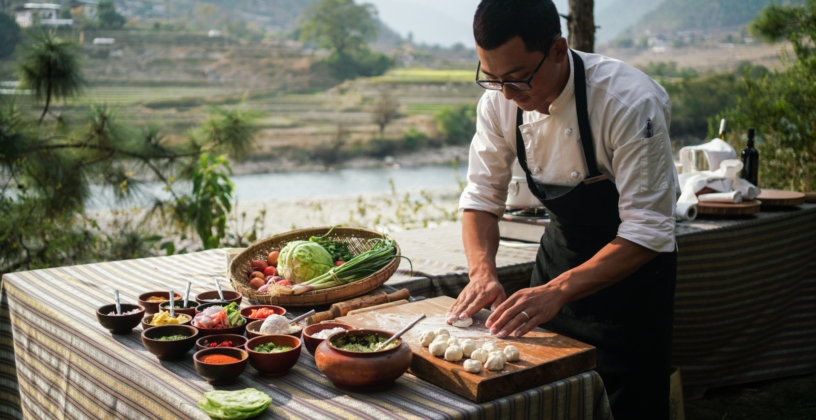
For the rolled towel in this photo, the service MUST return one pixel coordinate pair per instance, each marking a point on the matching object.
(729, 197)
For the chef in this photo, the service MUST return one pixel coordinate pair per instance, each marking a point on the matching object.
(591, 134)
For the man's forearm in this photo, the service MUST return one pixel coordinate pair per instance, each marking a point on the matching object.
(480, 236)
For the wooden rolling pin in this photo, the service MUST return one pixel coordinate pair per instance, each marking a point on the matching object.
(343, 308)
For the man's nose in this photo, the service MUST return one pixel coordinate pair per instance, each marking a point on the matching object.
(509, 93)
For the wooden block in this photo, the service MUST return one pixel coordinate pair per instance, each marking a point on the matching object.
(729, 209)
(545, 356)
(374, 308)
(780, 198)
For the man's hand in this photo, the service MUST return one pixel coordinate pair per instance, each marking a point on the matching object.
(476, 295)
(525, 310)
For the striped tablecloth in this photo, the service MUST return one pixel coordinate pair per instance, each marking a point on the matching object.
(65, 365)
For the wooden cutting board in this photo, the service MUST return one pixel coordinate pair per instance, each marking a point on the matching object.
(545, 356)
(728, 209)
(780, 198)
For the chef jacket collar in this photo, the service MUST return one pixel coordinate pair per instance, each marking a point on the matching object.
(564, 100)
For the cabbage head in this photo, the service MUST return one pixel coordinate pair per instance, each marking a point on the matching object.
(301, 261)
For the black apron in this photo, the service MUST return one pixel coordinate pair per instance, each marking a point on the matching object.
(629, 322)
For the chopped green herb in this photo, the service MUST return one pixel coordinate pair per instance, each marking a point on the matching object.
(172, 337)
(270, 348)
(365, 344)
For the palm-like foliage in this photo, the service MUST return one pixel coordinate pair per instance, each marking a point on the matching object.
(51, 67)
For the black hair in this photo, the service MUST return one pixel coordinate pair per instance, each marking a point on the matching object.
(497, 21)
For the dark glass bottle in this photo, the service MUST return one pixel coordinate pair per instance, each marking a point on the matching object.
(750, 160)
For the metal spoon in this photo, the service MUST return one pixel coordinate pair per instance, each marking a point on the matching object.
(307, 314)
(172, 304)
(220, 293)
(187, 294)
(118, 305)
(401, 332)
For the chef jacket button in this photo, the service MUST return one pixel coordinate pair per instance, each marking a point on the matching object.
(568, 131)
(575, 174)
(536, 169)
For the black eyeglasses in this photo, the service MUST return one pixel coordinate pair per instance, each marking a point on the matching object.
(513, 84)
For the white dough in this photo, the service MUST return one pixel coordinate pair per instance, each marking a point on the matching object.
(463, 322)
(453, 342)
(453, 354)
(490, 346)
(437, 348)
(473, 366)
(512, 353)
(427, 338)
(442, 331)
(467, 347)
(494, 351)
(495, 362)
(479, 354)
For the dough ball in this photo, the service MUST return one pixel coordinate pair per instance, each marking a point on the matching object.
(453, 354)
(467, 347)
(427, 338)
(479, 354)
(463, 322)
(512, 353)
(438, 348)
(494, 351)
(495, 362)
(443, 331)
(489, 346)
(453, 342)
(473, 366)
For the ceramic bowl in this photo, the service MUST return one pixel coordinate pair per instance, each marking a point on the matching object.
(206, 332)
(248, 310)
(190, 309)
(202, 306)
(238, 341)
(312, 342)
(119, 324)
(212, 296)
(169, 350)
(273, 364)
(219, 374)
(146, 321)
(253, 328)
(362, 371)
(153, 307)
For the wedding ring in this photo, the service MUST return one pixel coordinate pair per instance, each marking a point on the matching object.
(525, 314)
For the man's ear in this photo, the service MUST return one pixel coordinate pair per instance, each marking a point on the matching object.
(560, 50)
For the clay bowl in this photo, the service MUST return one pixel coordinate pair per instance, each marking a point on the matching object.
(119, 324)
(274, 364)
(219, 374)
(169, 350)
(312, 342)
(212, 296)
(362, 371)
(153, 307)
(190, 309)
(202, 306)
(238, 341)
(206, 332)
(146, 321)
(248, 310)
(253, 327)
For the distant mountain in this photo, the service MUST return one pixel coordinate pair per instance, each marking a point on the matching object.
(616, 16)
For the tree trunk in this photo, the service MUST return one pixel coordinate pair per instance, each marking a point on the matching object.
(47, 103)
(581, 24)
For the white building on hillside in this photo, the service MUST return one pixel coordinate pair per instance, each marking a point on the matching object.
(30, 14)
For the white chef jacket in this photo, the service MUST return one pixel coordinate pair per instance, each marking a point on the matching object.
(620, 100)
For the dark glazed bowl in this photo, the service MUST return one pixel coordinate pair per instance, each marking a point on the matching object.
(169, 350)
(362, 371)
(119, 324)
(274, 364)
(212, 296)
(312, 342)
(248, 310)
(146, 322)
(224, 373)
(153, 307)
(190, 309)
(238, 341)
(253, 328)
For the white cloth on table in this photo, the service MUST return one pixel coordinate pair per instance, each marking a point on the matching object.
(723, 180)
(715, 152)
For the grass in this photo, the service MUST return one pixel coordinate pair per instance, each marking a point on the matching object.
(425, 76)
(789, 399)
(129, 95)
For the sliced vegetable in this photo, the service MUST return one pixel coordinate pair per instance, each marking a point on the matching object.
(234, 405)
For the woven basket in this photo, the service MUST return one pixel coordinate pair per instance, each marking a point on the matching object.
(357, 240)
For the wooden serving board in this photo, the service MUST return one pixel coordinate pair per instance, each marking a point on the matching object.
(545, 356)
(780, 198)
(729, 209)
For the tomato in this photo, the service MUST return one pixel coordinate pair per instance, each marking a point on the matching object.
(339, 263)
(270, 271)
(272, 259)
(258, 265)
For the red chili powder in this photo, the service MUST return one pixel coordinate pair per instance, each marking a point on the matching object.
(218, 359)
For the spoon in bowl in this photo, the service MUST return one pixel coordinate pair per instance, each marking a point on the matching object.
(401, 332)
(307, 314)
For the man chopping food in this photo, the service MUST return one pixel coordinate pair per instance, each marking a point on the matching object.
(591, 134)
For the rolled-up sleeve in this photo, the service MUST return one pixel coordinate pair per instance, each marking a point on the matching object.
(645, 175)
(490, 162)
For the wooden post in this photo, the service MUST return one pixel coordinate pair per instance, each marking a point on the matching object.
(581, 24)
